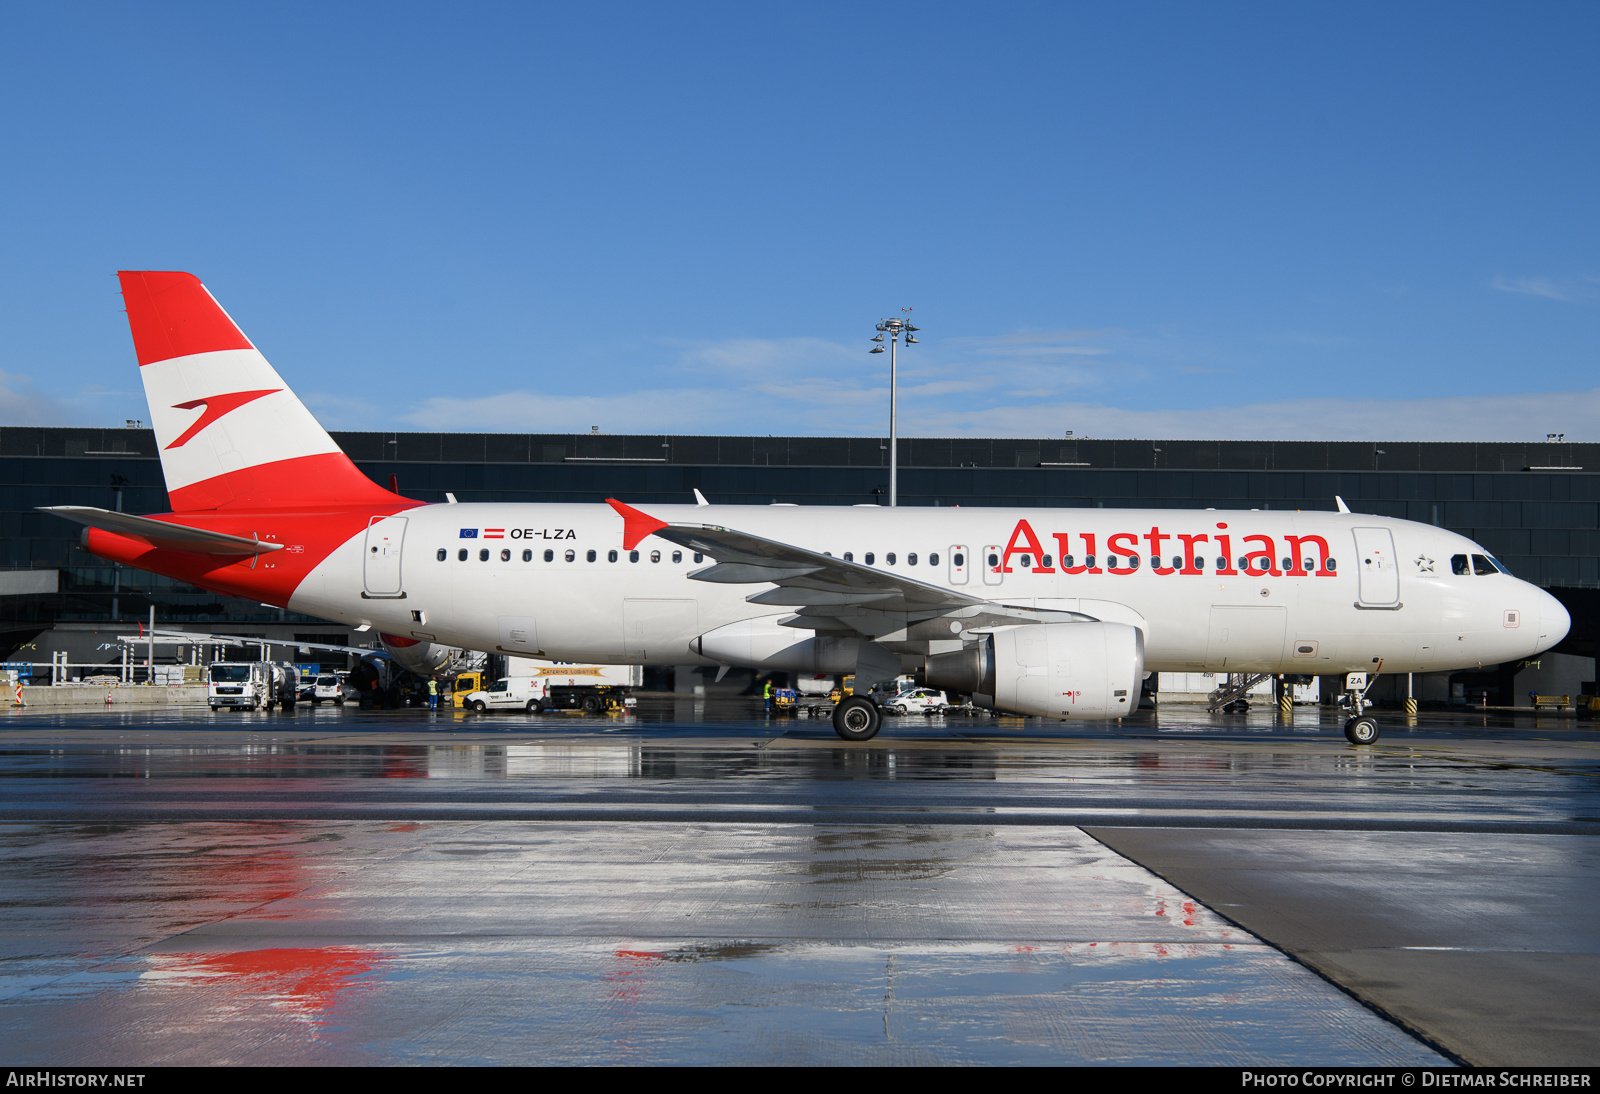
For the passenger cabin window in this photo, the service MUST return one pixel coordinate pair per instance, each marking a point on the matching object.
(571, 556)
(994, 561)
(1199, 563)
(1066, 560)
(443, 554)
(870, 558)
(483, 555)
(655, 556)
(1458, 565)
(889, 558)
(849, 556)
(611, 556)
(1026, 560)
(590, 555)
(911, 559)
(958, 558)
(698, 557)
(462, 554)
(505, 554)
(1133, 562)
(633, 556)
(933, 559)
(677, 556)
(527, 556)
(549, 555)
(1088, 560)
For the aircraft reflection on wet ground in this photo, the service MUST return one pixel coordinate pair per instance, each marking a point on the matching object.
(365, 887)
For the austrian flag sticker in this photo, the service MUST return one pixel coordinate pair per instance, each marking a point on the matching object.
(494, 533)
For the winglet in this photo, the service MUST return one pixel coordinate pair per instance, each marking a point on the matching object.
(1343, 508)
(635, 525)
(699, 498)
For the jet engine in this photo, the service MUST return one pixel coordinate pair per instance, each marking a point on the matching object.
(1053, 670)
(418, 655)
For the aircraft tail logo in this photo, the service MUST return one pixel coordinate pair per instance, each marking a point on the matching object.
(252, 443)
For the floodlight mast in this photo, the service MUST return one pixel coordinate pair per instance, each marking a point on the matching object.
(894, 328)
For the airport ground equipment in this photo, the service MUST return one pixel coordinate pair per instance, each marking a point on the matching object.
(925, 701)
(796, 702)
(248, 685)
(1560, 702)
(551, 693)
(1227, 696)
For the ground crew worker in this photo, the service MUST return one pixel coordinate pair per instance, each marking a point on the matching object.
(433, 694)
(766, 694)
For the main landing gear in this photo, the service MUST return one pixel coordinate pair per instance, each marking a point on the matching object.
(1362, 728)
(857, 719)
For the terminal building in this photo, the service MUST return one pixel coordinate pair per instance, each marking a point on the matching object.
(1535, 505)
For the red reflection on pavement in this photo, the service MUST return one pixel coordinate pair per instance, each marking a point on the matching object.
(306, 980)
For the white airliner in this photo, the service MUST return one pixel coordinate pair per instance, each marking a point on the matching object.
(1058, 613)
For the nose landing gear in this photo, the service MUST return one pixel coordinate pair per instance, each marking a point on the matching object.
(1362, 728)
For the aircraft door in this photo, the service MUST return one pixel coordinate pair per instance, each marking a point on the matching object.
(959, 561)
(1376, 564)
(992, 558)
(381, 557)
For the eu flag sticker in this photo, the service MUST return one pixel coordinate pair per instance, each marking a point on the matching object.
(469, 533)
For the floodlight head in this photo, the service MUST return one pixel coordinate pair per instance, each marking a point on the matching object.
(877, 349)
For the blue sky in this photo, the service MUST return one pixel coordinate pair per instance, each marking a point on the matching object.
(1197, 220)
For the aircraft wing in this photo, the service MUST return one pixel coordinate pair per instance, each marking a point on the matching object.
(160, 533)
(806, 580)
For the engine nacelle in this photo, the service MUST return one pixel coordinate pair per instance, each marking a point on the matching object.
(418, 655)
(1053, 670)
(762, 644)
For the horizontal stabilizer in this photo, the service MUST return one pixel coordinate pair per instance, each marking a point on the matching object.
(160, 533)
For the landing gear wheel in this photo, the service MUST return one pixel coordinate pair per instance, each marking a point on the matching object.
(1361, 731)
(592, 704)
(857, 719)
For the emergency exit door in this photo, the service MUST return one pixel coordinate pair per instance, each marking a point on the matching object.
(993, 570)
(1377, 568)
(381, 557)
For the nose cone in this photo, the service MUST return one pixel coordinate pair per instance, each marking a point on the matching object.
(1554, 621)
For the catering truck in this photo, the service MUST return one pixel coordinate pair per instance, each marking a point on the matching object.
(533, 686)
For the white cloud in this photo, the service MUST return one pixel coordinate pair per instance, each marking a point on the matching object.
(1506, 417)
(682, 411)
(1548, 287)
(22, 404)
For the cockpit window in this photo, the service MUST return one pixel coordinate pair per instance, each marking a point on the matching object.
(1481, 565)
(1458, 565)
